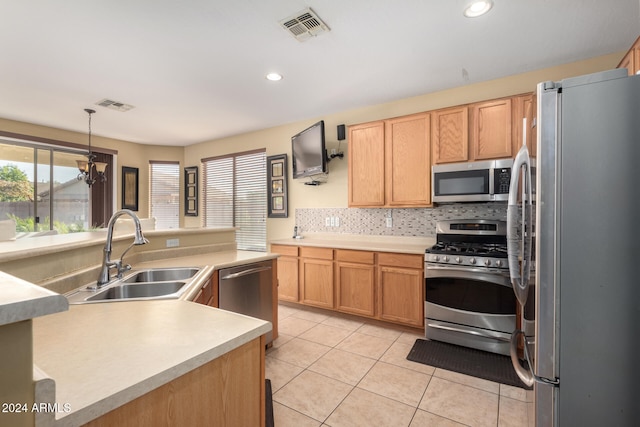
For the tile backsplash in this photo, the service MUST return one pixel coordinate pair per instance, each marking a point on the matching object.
(418, 222)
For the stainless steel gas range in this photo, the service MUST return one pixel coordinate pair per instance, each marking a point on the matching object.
(469, 300)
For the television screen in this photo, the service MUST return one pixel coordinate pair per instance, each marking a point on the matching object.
(308, 151)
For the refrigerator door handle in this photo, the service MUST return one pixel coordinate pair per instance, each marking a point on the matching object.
(519, 241)
(526, 375)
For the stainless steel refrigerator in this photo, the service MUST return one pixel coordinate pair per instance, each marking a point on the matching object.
(585, 259)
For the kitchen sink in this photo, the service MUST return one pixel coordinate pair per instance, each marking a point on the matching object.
(147, 284)
(161, 275)
(138, 290)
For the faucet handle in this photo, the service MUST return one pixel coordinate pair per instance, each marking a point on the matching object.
(122, 268)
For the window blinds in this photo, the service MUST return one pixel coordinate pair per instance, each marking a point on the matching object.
(235, 195)
(164, 193)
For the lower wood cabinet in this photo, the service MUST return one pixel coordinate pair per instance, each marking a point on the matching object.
(228, 391)
(316, 276)
(401, 288)
(355, 282)
(288, 273)
(379, 285)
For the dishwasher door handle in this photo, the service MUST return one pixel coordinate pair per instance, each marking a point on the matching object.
(245, 272)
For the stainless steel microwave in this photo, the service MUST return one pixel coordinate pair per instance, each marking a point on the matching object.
(483, 181)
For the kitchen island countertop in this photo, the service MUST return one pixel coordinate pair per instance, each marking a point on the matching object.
(104, 355)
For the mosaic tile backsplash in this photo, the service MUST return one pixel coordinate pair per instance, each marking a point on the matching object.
(416, 222)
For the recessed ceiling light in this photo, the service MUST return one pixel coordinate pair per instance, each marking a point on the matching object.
(478, 8)
(274, 77)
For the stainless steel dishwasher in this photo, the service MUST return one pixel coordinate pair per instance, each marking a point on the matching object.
(247, 289)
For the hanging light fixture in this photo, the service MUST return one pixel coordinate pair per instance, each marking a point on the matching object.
(88, 166)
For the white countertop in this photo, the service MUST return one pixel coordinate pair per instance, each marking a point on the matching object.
(104, 355)
(21, 300)
(397, 244)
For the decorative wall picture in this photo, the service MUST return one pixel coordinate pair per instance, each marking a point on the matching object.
(129, 188)
(277, 186)
(191, 191)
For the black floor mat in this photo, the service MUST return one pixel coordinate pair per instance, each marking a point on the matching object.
(269, 422)
(469, 361)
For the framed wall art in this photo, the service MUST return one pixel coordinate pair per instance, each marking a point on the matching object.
(129, 188)
(191, 191)
(277, 186)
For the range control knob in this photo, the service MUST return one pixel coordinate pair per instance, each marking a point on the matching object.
(445, 258)
(472, 261)
(487, 262)
(436, 258)
(458, 260)
(499, 263)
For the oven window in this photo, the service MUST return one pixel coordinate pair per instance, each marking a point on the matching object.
(471, 295)
(461, 183)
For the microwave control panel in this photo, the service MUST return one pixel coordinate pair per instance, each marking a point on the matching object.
(501, 180)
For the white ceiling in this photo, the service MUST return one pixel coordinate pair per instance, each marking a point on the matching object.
(194, 70)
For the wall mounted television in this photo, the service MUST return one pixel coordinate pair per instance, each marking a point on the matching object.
(309, 155)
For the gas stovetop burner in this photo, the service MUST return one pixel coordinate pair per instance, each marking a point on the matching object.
(493, 250)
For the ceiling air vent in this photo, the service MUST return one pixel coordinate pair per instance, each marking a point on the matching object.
(304, 25)
(114, 105)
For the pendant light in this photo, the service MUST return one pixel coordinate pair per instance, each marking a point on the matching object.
(90, 170)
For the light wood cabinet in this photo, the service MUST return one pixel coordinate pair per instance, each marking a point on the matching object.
(316, 277)
(366, 165)
(390, 162)
(450, 135)
(208, 294)
(408, 161)
(491, 136)
(355, 282)
(288, 288)
(228, 391)
(524, 106)
(401, 288)
(631, 61)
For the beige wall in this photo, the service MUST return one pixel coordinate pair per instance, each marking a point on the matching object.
(129, 154)
(334, 193)
(277, 140)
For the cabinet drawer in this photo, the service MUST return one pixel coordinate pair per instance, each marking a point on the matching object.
(360, 257)
(285, 250)
(401, 260)
(318, 253)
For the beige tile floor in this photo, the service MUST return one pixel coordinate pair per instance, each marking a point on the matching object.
(330, 369)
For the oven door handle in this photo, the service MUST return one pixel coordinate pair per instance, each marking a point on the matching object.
(434, 271)
(519, 242)
(467, 331)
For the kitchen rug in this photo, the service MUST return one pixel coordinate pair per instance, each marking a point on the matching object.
(469, 361)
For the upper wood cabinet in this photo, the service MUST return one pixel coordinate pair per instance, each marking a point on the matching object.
(390, 163)
(408, 161)
(491, 129)
(450, 135)
(366, 165)
(524, 106)
(631, 61)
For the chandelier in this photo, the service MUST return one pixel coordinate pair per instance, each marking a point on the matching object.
(90, 170)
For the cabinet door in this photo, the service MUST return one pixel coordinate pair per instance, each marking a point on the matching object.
(316, 282)
(366, 164)
(355, 290)
(288, 279)
(491, 130)
(401, 295)
(628, 62)
(450, 135)
(408, 161)
(524, 106)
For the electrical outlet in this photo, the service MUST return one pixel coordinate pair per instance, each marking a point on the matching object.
(389, 222)
(337, 221)
(173, 243)
(327, 222)
(333, 221)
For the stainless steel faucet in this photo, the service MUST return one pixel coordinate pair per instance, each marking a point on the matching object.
(107, 264)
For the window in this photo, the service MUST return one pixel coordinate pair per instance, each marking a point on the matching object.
(39, 189)
(235, 195)
(164, 193)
